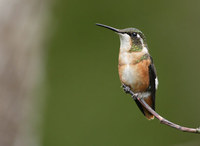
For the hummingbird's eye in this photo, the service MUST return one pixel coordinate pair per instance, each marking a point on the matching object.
(134, 34)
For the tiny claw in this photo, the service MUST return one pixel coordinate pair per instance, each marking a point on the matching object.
(137, 95)
(126, 88)
(134, 96)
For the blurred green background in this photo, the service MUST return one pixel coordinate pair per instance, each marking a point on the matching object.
(85, 105)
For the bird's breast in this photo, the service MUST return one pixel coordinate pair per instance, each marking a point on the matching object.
(128, 74)
(135, 75)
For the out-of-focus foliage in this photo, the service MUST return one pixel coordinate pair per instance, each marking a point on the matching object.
(85, 105)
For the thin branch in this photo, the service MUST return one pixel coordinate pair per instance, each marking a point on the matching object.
(160, 118)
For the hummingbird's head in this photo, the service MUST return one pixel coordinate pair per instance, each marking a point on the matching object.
(131, 39)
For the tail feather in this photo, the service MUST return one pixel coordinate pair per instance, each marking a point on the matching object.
(149, 100)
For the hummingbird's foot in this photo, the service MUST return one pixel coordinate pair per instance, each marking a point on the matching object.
(134, 96)
(137, 95)
(127, 89)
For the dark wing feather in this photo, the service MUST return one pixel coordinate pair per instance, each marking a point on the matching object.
(152, 84)
(151, 88)
(140, 106)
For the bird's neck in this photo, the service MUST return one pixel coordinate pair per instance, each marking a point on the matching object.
(128, 56)
(126, 45)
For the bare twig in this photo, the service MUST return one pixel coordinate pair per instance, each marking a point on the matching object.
(160, 118)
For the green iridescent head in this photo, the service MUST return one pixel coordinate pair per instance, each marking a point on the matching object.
(137, 38)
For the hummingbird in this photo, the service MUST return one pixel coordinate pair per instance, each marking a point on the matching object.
(135, 66)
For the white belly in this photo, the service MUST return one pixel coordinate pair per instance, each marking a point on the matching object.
(129, 75)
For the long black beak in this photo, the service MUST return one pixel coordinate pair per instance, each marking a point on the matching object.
(108, 27)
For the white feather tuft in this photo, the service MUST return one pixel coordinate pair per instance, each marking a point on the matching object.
(156, 82)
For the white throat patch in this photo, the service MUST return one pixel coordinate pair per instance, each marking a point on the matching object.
(125, 42)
